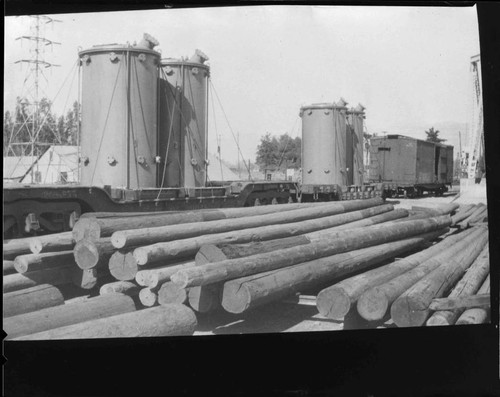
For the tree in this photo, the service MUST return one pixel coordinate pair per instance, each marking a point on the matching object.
(278, 152)
(432, 136)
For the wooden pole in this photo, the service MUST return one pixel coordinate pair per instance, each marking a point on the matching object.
(356, 239)
(466, 287)
(53, 276)
(208, 297)
(412, 307)
(171, 293)
(22, 246)
(398, 213)
(124, 287)
(476, 315)
(31, 262)
(8, 267)
(478, 211)
(459, 303)
(89, 254)
(16, 247)
(229, 212)
(249, 292)
(52, 243)
(461, 215)
(374, 303)
(165, 320)
(31, 299)
(479, 217)
(152, 278)
(337, 300)
(67, 314)
(94, 228)
(146, 236)
(188, 247)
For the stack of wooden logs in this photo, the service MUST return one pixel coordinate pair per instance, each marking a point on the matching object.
(145, 274)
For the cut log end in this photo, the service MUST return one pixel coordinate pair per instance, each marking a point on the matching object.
(148, 297)
(21, 265)
(86, 228)
(118, 240)
(171, 293)
(36, 246)
(408, 312)
(142, 278)
(437, 320)
(333, 303)
(372, 305)
(141, 256)
(235, 298)
(123, 266)
(180, 278)
(86, 254)
(473, 316)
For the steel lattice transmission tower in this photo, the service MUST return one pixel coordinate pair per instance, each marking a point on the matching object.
(23, 139)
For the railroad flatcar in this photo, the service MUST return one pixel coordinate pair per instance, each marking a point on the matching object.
(143, 147)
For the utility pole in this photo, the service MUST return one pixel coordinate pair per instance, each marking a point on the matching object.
(238, 137)
(475, 144)
(32, 91)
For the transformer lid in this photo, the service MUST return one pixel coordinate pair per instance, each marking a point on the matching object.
(179, 62)
(325, 105)
(104, 48)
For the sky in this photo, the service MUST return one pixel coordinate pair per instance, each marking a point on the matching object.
(409, 66)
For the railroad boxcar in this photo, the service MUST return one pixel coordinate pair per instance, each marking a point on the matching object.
(409, 166)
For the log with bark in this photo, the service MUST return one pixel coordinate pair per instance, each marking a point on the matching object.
(53, 276)
(152, 278)
(8, 267)
(337, 300)
(31, 299)
(52, 243)
(188, 247)
(412, 307)
(32, 262)
(374, 303)
(94, 228)
(458, 303)
(152, 235)
(208, 297)
(249, 292)
(326, 246)
(67, 314)
(476, 315)
(466, 287)
(34, 245)
(165, 320)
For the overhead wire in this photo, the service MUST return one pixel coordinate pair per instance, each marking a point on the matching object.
(230, 128)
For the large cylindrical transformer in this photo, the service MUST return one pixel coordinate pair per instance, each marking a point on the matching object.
(324, 144)
(119, 115)
(355, 119)
(183, 122)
